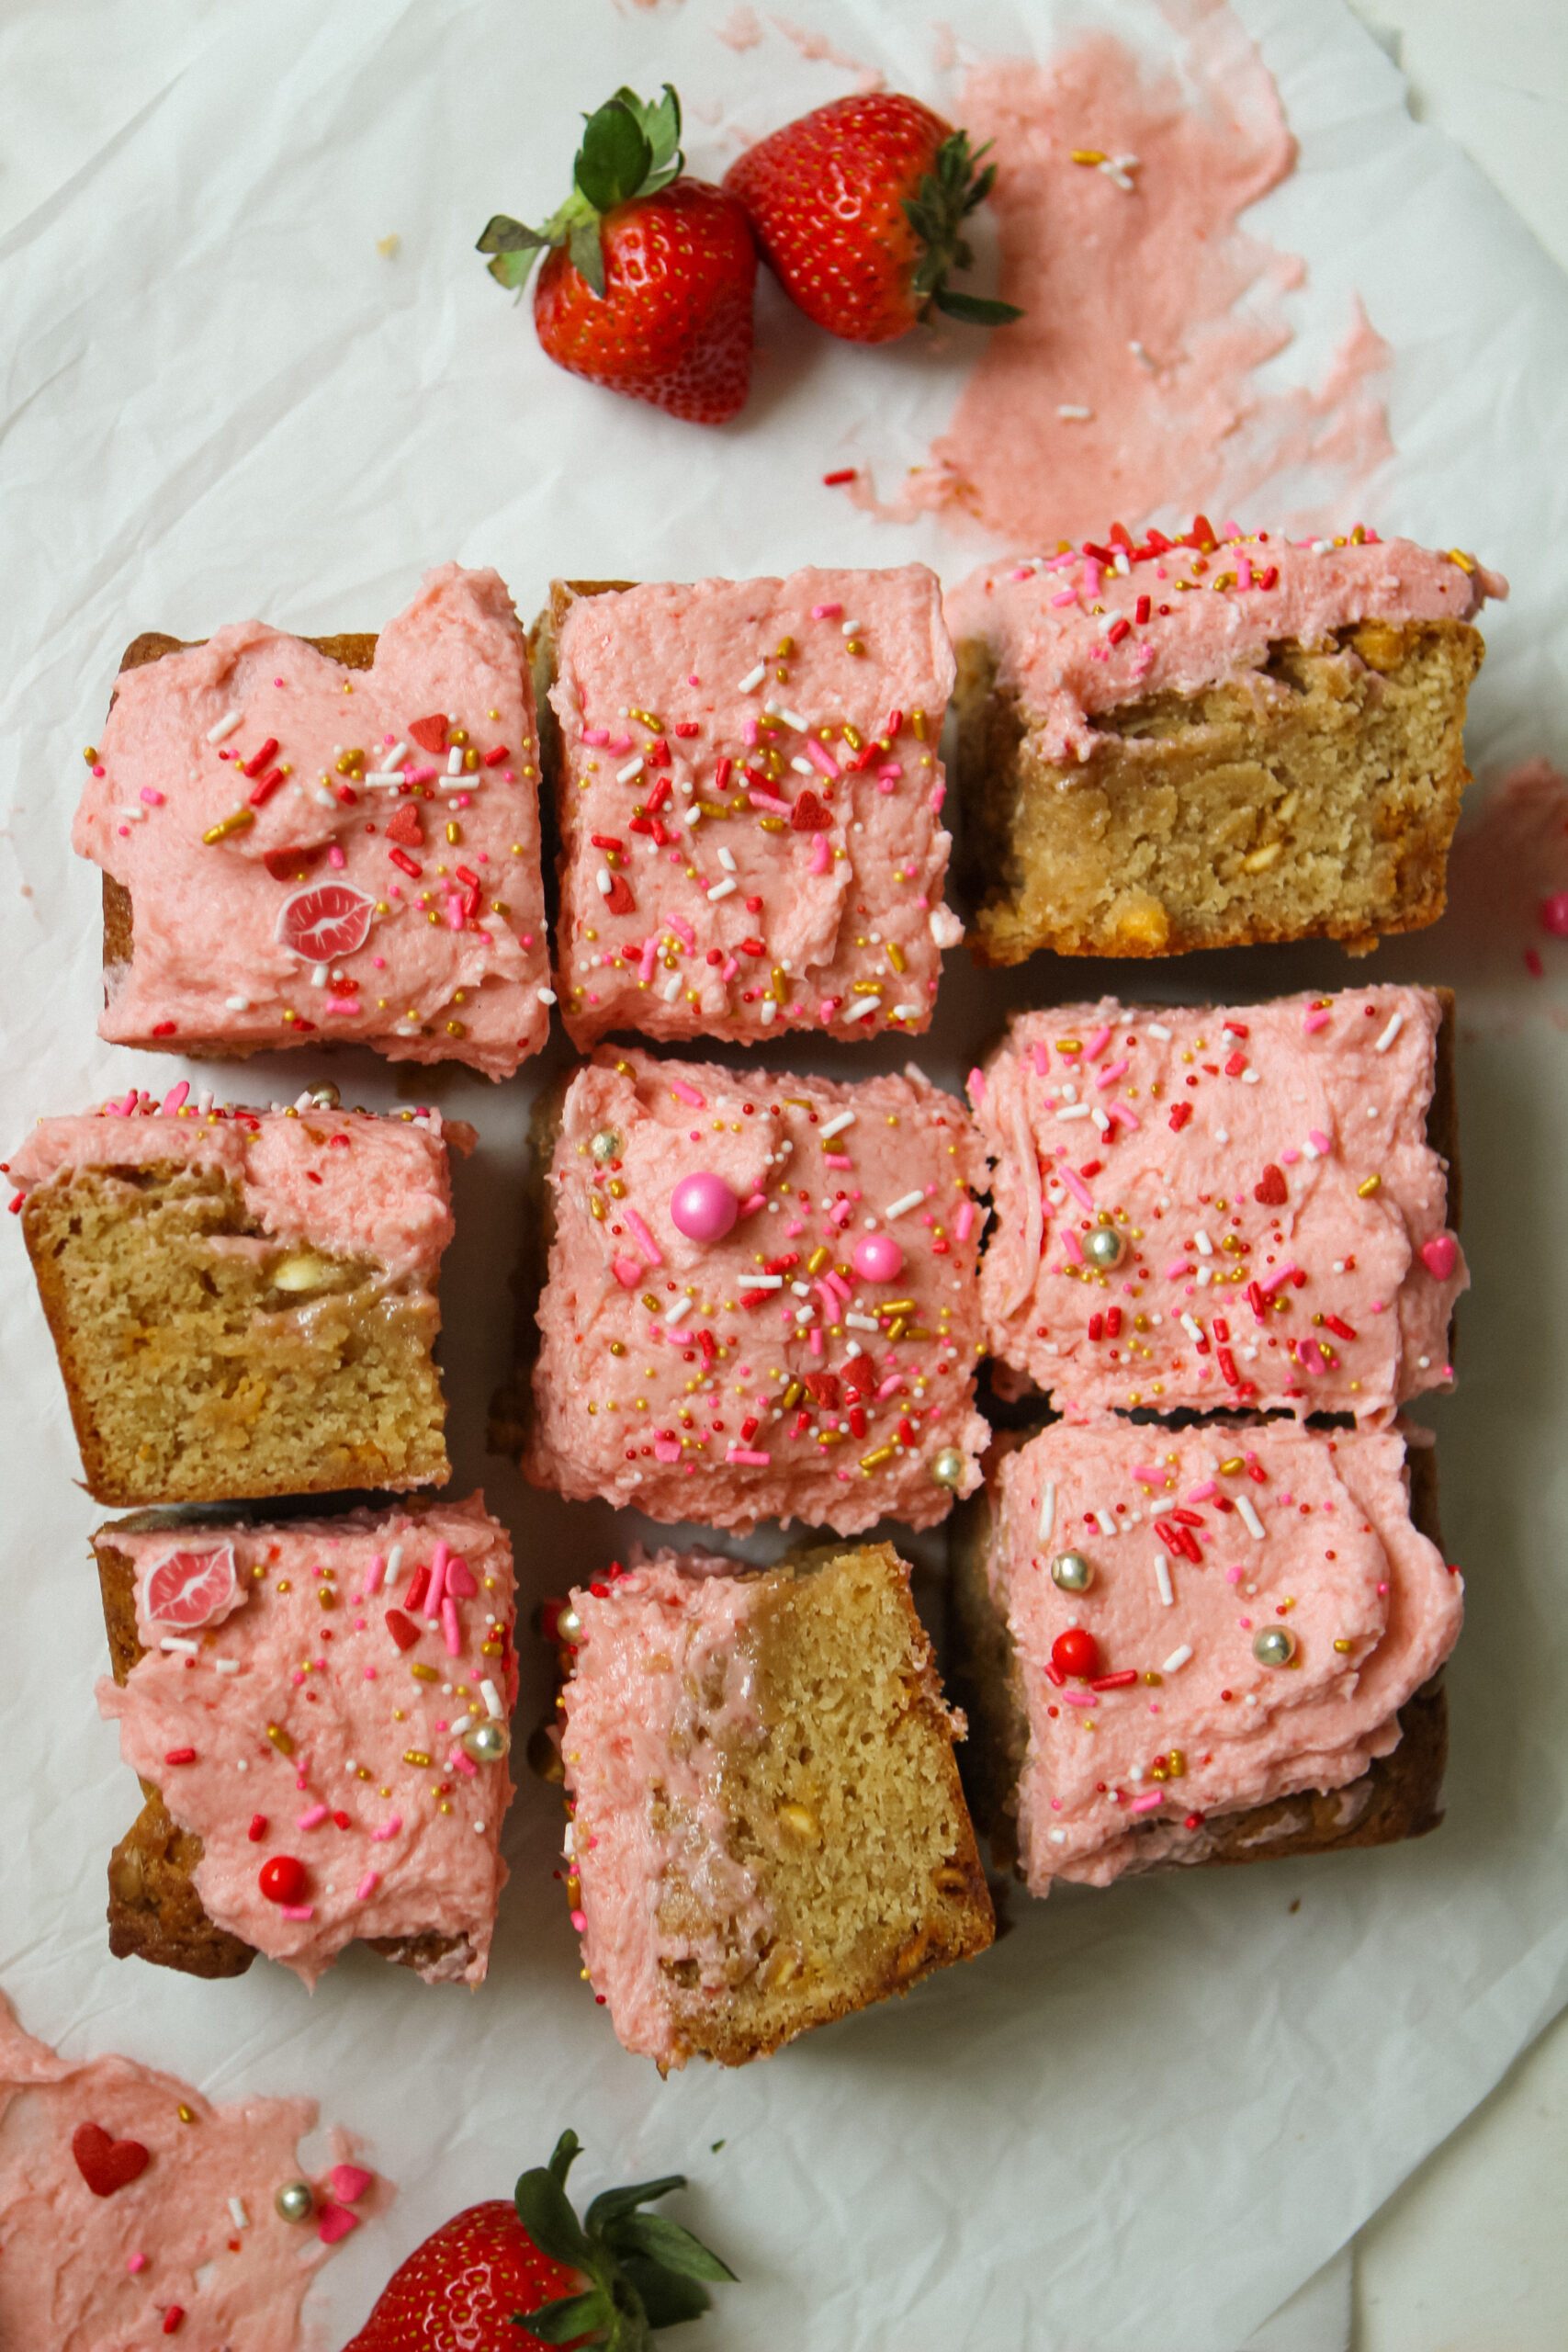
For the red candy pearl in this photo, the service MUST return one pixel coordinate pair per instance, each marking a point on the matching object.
(282, 1879)
(1077, 1654)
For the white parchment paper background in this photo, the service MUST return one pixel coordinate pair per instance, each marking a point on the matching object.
(1146, 2118)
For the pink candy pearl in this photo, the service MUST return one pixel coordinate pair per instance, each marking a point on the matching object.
(877, 1257)
(702, 1207)
(1554, 914)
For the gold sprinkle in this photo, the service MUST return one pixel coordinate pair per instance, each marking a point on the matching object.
(878, 1456)
(425, 1673)
(278, 1735)
(417, 1756)
(235, 822)
(1364, 1192)
(187, 2114)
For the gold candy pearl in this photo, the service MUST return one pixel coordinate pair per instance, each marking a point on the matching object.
(947, 1467)
(1072, 1572)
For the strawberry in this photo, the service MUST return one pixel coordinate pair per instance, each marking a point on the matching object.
(859, 209)
(517, 2278)
(648, 276)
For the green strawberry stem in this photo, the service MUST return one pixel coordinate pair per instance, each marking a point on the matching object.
(628, 148)
(937, 213)
(644, 2271)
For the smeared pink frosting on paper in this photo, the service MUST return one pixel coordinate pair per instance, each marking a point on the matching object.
(447, 866)
(669, 1629)
(1130, 381)
(1244, 1226)
(86, 2273)
(346, 1183)
(732, 861)
(690, 1419)
(392, 1845)
(1338, 1559)
(1506, 925)
(1086, 629)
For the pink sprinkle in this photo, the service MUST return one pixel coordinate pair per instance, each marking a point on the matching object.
(1071, 1245)
(579, 1920)
(1177, 1268)
(344, 1006)
(649, 953)
(298, 1910)
(1203, 1492)
(1066, 596)
(826, 612)
(1232, 1576)
(1111, 1073)
(450, 1632)
(1145, 1476)
(1097, 1045)
(769, 801)
(175, 1096)
(1077, 1699)
(1118, 1111)
(687, 1094)
(1272, 1283)
(1319, 1141)
(688, 938)
(597, 736)
(1315, 1018)
(640, 1232)
(388, 1829)
(151, 798)
(1076, 1185)
(135, 2262)
(976, 1085)
(373, 1574)
(437, 1583)
(750, 1456)
(312, 1819)
(458, 1761)
(460, 1580)
(1040, 1055)
(964, 1223)
(822, 856)
(367, 1886)
(348, 2183)
(1150, 1802)
(627, 1271)
(334, 2222)
(752, 1203)
(822, 759)
(335, 858)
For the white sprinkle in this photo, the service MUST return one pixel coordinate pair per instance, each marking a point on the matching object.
(801, 1290)
(632, 768)
(1047, 1510)
(396, 757)
(172, 1642)
(225, 727)
(381, 779)
(241, 2219)
(318, 793)
(803, 767)
(1176, 1659)
(722, 889)
(848, 628)
(317, 977)
(862, 1322)
(690, 817)
(752, 679)
(1193, 1329)
(906, 1012)
(835, 1126)
(766, 1010)
(1058, 1837)
(1157, 1029)
(791, 717)
(1101, 1120)
(454, 760)
(727, 859)
(903, 1204)
(1205, 1247)
(863, 1011)
(225, 1665)
(238, 1004)
(1071, 414)
(1139, 354)
(1107, 1524)
(394, 1559)
(672, 988)
(133, 816)
(1396, 1022)
(545, 996)
(1311, 1151)
(1074, 1111)
(677, 1313)
(765, 1282)
(1162, 1580)
(603, 882)
(1248, 1517)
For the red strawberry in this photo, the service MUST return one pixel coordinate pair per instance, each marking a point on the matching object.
(649, 278)
(488, 2277)
(859, 207)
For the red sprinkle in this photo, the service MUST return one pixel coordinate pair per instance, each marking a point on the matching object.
(1179, 1115)
(405, 863)
(266, 788)
(257, 1830)
(254, 765)
(1337, 1325)
(282, 1879)
(179, 1756)
(173, 2318)
(1122, 1681)
(842, 473)
(494, 758)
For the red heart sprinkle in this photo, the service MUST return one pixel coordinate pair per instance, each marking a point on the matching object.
(106, 2165)
(618, 899)
(1271, 1192)
(808, 815)
(403, 826)
(1440, 1256)
(403, 1630)
(430, 733)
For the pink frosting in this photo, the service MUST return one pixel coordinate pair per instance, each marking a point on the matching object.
(315, 1722)
(1065, 634)
(446, 866)
(1337, 1561)
(654, 1638)
(753, 1377)
(809, 887)
(347, 1182)
(1233, 1150)
(86, 2273)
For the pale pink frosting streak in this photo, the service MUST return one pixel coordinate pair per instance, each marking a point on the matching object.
(345, 1183)
(1081, 632)
(1337, 1561)
(666, 1363)
(708, 845)
(1244, 1226)
(67, 2284)
(338, 1792)
(456, 953)
(635, 1737)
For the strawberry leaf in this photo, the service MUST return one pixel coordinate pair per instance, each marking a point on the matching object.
(564, 2320)
(586, 246)
(515, 247)
(544, 2210)
(612, 2204)
(976, 310)
(661, 2239)
(614, 157)
(667, 2299)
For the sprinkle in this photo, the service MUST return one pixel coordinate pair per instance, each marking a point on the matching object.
(492, 1698)
(228, 725)
(752, 679)
(836, 1125)
(831, 481)
(1177, 1659)
(172, 1642)
(367, 1886)
(235, 822)
(722, 889)
(1047, 1512)
(1248, 1517)
(1071, 412)
(677, 1312)
(237, 2214)
(1162, 1581)
(1396, 1024)
(903, 1204)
